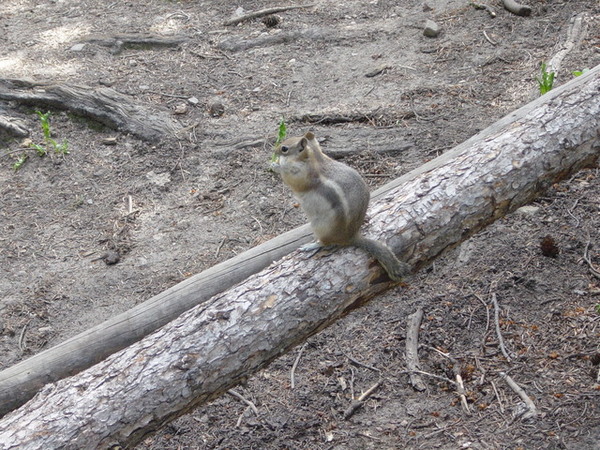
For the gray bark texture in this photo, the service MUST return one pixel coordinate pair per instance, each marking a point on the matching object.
(105, 105)
(215, 345)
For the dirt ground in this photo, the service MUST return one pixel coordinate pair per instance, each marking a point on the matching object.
(362, 76)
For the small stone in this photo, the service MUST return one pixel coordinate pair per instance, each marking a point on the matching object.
(78, 47)
(528, 210)
(111, 257)
(181, 108)
(109, 141)
(216, 108)
(432, 29)
(193, 101)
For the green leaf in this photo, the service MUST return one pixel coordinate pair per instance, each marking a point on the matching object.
(19, 163)
(546, 81)
(45, 122)
(62, 148)
(578, 73)
(41, 151)
(282, 132)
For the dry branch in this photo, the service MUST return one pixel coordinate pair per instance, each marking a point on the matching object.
(119, 42)
(531, 409)
(576, 32)
(498, 331)
(360, 400)
(412, 347)
(212, 347)
(13, 126)
(105, 105)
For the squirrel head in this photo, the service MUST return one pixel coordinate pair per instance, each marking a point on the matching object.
(297, 147)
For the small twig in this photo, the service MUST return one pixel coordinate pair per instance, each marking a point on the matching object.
(487, 312)
(355, 361)
(412, 344)
(130, 204)
(420, 372)
(570, 212)
(293, 371)
(22, 336)
(588, 260)
(531, 409)
(360, 401)
(497, 396)
(259, 225)
(460, 387)
(358, 363)
(489, 39)
(239, 396)
(352, 376)
(498, 332)
(219, 247)
(460, 390)
(19, 150)
(264, 12)
(239, 421)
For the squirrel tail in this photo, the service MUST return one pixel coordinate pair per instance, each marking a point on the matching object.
(395, 268)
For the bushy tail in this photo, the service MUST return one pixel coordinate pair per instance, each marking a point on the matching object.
(395, 268)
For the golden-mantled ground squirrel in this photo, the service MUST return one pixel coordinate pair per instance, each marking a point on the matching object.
(334, 197)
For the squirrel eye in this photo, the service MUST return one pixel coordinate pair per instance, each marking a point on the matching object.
(284, 148)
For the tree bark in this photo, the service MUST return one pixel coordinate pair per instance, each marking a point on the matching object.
(215, 345)
(105, 105)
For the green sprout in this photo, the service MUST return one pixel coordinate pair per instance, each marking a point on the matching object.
(281, 134)
(62, 148)
(19, 163)
(546, 81)
(45, 122)
(41, 151)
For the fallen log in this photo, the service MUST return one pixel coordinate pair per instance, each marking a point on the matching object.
(215, 345)
(13, 126)
(104, 105)
(121, 41)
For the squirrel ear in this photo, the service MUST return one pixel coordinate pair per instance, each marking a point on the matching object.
(309, 135)
(303, 143)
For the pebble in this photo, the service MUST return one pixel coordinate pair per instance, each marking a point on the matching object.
(78, 47)
(216, 109)
(528, 210)
(431, 29)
